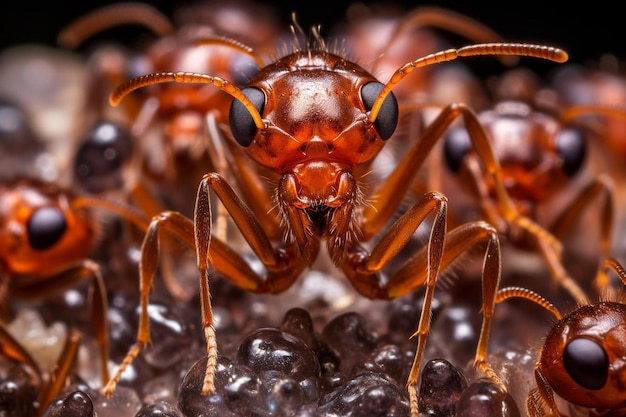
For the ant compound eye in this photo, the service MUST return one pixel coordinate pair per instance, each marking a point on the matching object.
(572, 148)
(456, 146)
(100, 158)
(14, 127)
(241, 122)
(387, 118)
(586, 363)
(45, 227)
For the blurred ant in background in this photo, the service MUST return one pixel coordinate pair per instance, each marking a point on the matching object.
(175, 130)
(547, 169)
(47, 238)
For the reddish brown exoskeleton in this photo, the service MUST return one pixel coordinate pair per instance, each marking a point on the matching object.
(582, 358)
(304, 131)
(176, 129)
(547, 169)
(46, 237)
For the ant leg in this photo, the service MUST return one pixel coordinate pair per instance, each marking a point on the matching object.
(97, 298)
(601, 186)
(441, 250)
(283, 267)
(13, 350)
(541, 397)
(394, 188)
(228, 156)
(58, 375)
(254, 190)
(149, 205)
(177, 225)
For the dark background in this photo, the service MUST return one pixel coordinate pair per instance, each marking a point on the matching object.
(585, 30)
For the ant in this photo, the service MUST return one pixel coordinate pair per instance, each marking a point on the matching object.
(582, 358)
(545, 165)
(46, 237)
(312, 121)
(177, 129)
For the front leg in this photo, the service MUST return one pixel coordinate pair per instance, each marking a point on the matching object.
(395, 187)
(442, 249)
(283, 265)
(601, 187)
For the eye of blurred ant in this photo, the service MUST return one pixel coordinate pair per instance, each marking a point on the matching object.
(243, 69)
(45, 227)
(571, 146)
(456, 145)
(106, 148)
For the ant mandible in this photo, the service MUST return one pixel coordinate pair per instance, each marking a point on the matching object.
(582, 358)
(314, 121)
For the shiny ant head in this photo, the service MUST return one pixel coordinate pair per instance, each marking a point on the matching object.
(39, 228)
(538, 154)
(311, 99)
(584, 356)
(312, 113)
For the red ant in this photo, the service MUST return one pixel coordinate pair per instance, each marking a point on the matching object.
(313, 121)
(46, 237)
(542, 153)
(185, 122)
(582, 358)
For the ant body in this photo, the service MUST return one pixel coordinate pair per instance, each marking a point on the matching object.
(311, 122)
(176, 129)
(582, 358)
(546, 166)
(46, 237)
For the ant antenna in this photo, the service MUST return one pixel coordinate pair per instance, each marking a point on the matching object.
(517, 49)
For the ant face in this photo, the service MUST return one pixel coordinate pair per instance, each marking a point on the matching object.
(583, 357)
(312, 114)
(539, 155)
(41, 230)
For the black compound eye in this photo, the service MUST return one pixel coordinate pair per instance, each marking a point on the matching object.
(587, 363)
(241, 122)
(387, 118)
(14, 126)
(45, 227)
(456, 146)
(572, 148)
(99, 160)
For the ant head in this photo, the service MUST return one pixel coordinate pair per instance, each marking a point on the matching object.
(41, 228)
(585, 364)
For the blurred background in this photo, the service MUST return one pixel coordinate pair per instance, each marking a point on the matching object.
(586, 30)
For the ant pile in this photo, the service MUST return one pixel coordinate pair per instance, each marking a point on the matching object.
(275, 221)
